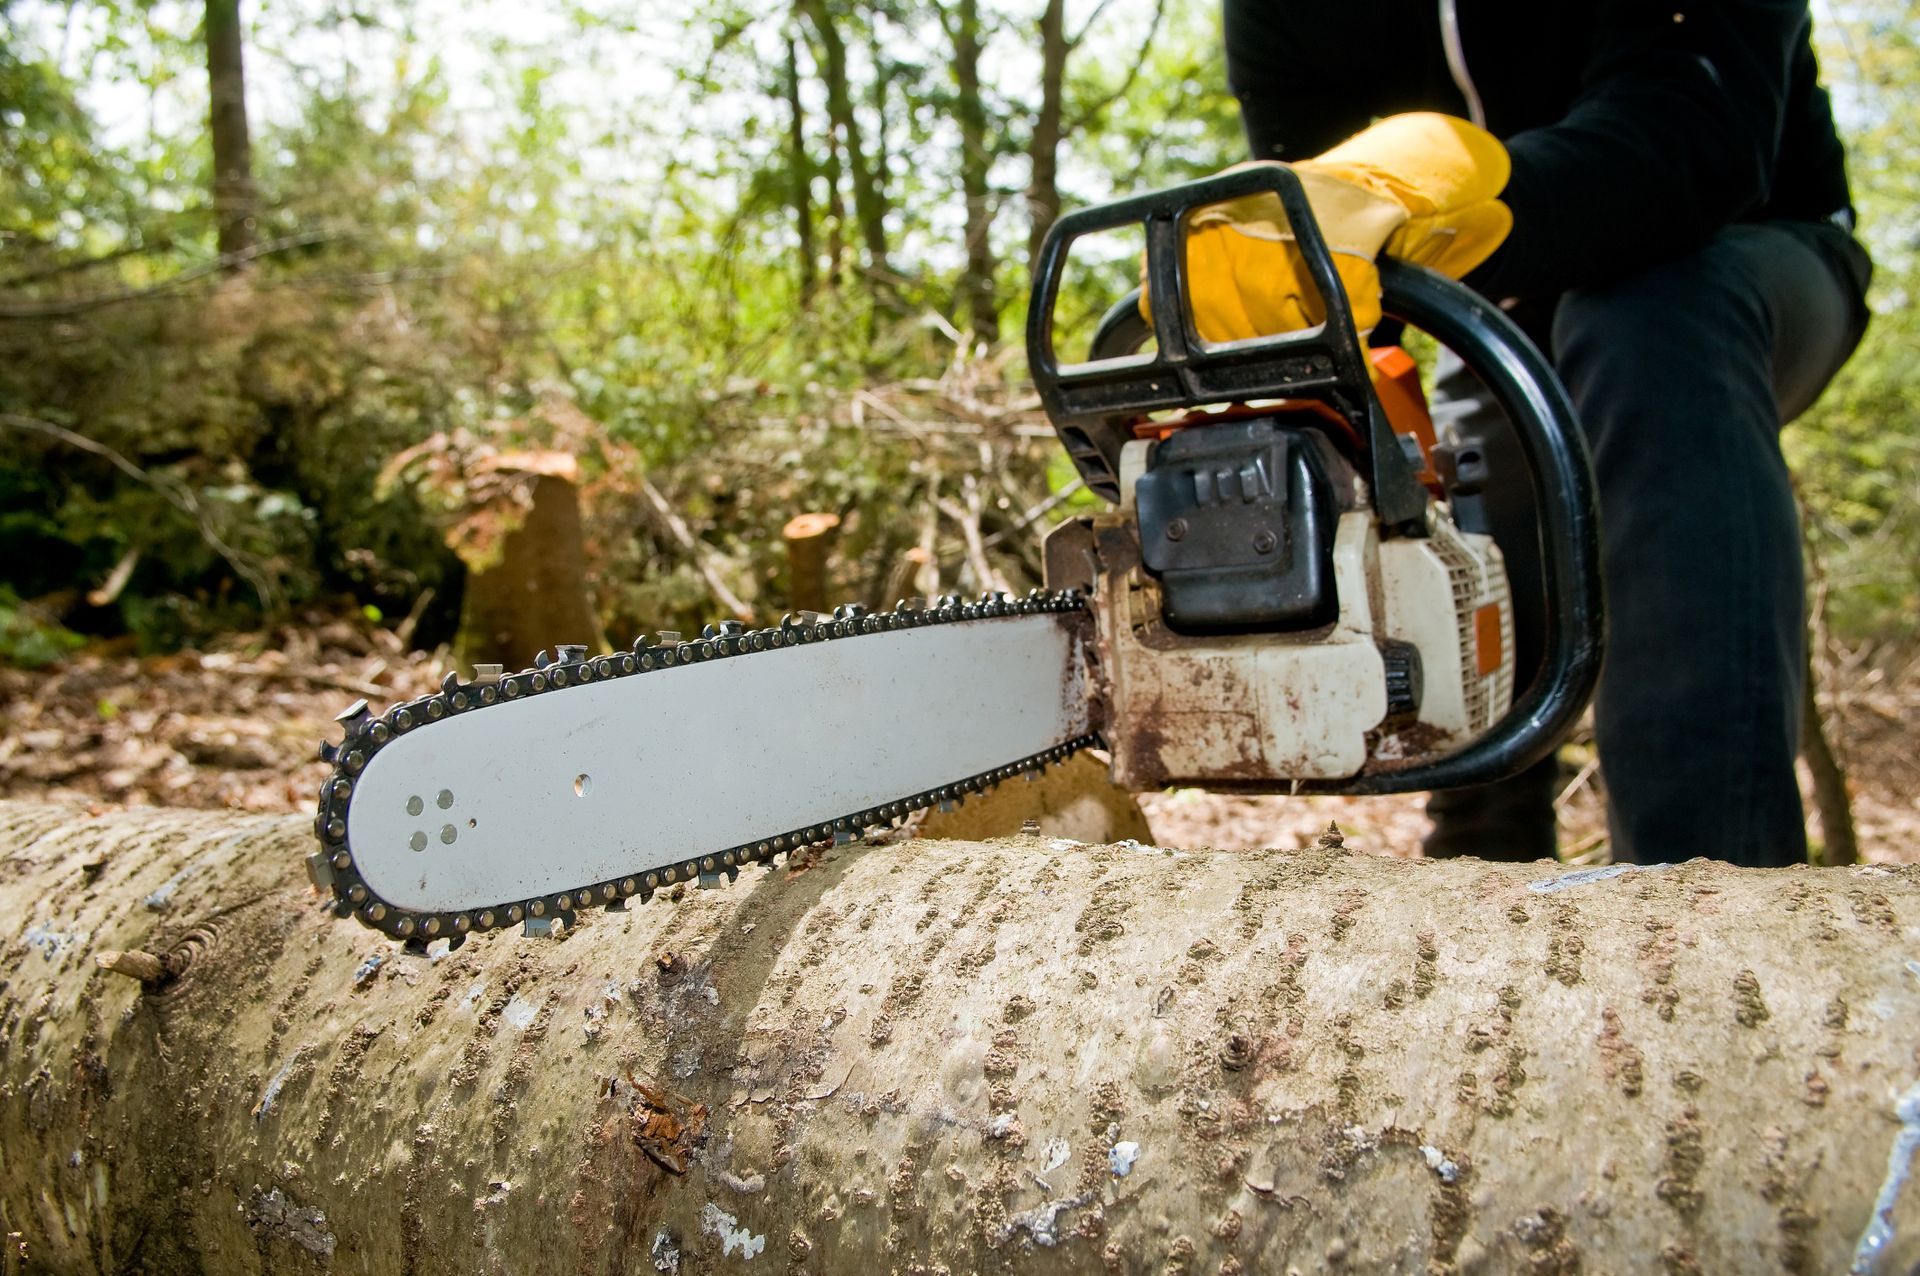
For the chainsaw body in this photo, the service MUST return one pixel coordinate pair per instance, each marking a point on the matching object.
(1284, 597)
(1416, 659)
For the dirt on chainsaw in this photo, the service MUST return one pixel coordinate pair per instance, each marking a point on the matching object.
(236, 725)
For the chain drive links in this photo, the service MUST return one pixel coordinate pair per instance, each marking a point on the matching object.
(333, 868)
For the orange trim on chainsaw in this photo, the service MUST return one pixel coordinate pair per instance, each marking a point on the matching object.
(1487, 647)
(1396, 379)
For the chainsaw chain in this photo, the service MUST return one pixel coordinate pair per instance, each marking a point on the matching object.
(333, 866)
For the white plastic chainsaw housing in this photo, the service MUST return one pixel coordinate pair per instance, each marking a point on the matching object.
(1262, 710)
(1447, 595)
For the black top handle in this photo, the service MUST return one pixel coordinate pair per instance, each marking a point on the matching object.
(1092, 404)
(1089, 402)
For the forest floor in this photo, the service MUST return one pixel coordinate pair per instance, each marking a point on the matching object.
(236, 725)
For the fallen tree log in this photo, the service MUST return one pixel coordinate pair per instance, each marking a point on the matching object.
(1023, 1055)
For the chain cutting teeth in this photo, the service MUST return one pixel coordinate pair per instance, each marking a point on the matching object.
(366, 733)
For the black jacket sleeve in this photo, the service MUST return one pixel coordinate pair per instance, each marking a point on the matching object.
(1638, 129)
(1675, 133)
(1311, 73)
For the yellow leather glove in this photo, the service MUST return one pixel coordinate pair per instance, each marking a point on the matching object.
(1422, 187)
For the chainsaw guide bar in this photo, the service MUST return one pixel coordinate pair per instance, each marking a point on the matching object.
(582, 783)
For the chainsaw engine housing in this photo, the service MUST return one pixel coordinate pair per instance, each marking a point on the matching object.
(1336, 652)
(1237, 525)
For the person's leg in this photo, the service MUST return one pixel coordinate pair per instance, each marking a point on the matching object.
(1511, 820)
(1682, 377)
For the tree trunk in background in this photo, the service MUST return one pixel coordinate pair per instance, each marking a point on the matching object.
(802, 167)
(1839, 843)
(836, 213)
(538, 595)
(233, 191)
(869, 197)
(976, 159)
(1043, 148)
(1025, 1055)
(879, 101)
(1832, 802)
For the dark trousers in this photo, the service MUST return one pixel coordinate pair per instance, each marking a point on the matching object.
(1682, 376)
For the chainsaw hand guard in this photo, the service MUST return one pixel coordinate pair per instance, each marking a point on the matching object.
(1093, 404)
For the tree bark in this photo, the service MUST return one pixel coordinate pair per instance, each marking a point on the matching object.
(1024, 1055)
(869, 193)
(234, 200)
(879, 101)
(538, 594)
(802, 174)
(1832, 801)
(836, 213)
(1043, 146)
(1051, 127)
(976, 161)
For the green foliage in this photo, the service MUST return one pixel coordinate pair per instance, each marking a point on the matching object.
(1856, 455)
(28, 640)
(1177, 122)
(1856, 459)
(450, 241)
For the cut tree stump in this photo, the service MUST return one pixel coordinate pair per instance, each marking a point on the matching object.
(1020, 1055)
(537, 595)
(809, 538)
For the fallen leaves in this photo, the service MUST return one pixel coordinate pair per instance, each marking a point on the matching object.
(235, 725)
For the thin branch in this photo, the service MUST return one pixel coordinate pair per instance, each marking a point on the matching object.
(116, 580)
(921, 428)
(967, 517)
(1086, 27)
(697, 549)
(946, 26)
(176, 493)
(366, 280)
(724, 39)
(347, 686)
(1578, 782)
(1037, 513)
(76, 265)
(404, 630)
(1012, 532)
(224, 262)
(1094, 112)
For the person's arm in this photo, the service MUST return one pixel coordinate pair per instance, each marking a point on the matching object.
(1675, 134)
(1310, 75)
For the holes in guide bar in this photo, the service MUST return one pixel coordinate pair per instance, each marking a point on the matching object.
(416, 805)
(582, 784)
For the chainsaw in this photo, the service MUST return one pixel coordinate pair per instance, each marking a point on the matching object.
(1289, 590)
